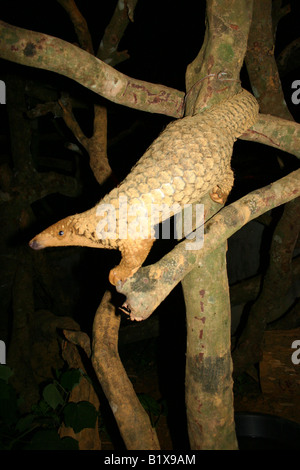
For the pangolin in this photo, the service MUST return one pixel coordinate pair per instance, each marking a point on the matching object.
(188, 159)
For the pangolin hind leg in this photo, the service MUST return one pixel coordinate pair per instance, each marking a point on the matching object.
(134, 253)
(221, 191)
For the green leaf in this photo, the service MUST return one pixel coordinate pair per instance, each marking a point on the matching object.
(5, 372)
(149, 404)
(80, 415)
(70, 379)
(52, 396)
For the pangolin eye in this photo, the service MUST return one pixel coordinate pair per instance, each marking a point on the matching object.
(61, 233)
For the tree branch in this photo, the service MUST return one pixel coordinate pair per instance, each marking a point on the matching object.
(80, 24)
(289, 58)
(49, 53)
(50, 183)
(96, 146)
(136, 93)
(275, 132)
(278, 12)
(108, 49)
(71, 122)
(132, 419)
(261, 64)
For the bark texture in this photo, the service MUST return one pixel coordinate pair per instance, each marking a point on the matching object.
(133, 421)
(209, 396)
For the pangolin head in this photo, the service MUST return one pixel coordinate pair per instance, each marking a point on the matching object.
(59, 234)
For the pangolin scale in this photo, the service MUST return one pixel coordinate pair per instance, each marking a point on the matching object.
(188, 159)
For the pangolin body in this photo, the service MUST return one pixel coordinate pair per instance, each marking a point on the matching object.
(189, 158)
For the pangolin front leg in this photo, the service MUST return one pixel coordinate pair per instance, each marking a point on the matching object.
(134, 253)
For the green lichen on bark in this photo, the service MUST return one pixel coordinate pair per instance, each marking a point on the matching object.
(226, 52)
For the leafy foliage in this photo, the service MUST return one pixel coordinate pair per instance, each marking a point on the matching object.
(38, 429)
(80, 415)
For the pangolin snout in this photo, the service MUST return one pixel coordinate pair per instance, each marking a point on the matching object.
(35, 245)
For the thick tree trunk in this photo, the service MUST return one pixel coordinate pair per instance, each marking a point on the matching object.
(209, 396)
